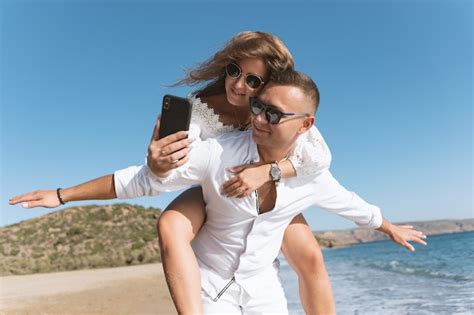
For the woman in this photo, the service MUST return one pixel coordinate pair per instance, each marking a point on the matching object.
(236, 72)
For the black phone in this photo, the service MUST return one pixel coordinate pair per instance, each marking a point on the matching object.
(175, 115)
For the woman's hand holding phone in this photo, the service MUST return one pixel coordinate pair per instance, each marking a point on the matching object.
(167, 153)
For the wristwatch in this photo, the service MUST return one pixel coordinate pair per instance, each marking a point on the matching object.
(275, 172)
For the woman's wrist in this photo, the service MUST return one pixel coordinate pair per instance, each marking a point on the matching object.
(266, 172)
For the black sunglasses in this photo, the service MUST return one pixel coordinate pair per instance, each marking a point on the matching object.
(253, 81)
(272, 114)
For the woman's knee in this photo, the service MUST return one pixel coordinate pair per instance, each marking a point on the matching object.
(312, 259)
(183, 218)
(302, 249)
(172, 225)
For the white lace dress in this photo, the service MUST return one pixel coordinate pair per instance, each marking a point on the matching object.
(310, 156)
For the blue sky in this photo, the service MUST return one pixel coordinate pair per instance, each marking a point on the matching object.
(82, 82)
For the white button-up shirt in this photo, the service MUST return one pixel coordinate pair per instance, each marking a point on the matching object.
(236, 242)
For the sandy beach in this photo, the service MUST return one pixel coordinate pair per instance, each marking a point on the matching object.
(124, 290)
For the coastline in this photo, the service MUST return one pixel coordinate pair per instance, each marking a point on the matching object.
(349, 237)
(138, 289)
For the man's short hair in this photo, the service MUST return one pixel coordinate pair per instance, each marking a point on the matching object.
(300, 80)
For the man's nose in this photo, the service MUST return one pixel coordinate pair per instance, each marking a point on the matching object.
(261, 118)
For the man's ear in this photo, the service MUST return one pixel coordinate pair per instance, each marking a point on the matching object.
(307, 124)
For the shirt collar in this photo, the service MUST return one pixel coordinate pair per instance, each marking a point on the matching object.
(253, 150)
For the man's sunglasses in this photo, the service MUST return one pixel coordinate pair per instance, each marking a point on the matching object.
(253, 81)
(272, 114)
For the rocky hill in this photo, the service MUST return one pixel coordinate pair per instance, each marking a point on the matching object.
(79, 238)
(340, 238)
(122, 234)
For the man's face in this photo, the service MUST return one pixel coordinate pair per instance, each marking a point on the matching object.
(288, 99)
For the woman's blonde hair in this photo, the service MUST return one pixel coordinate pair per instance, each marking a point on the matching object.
(265, 46)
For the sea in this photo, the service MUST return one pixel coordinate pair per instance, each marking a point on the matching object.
(385, 278)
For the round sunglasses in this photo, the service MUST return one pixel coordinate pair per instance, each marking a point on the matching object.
(272, 114)
(253, 81)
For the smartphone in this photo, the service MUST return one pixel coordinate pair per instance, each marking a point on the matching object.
(175, 115)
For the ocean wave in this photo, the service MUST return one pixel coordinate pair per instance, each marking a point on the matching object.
(404, 268)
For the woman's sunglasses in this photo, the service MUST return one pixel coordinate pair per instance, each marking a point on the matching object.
(272, 115)
(253, 81)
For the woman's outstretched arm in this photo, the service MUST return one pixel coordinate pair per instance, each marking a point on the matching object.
(101, 188)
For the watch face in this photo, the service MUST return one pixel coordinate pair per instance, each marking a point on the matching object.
(275, 172)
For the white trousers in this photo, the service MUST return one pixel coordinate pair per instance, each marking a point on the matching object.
(236, 301)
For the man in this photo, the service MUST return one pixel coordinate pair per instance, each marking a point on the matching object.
(241, 238)
(238, 245)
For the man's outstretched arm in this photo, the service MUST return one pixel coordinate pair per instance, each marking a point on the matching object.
(101, 188)
(333, 197)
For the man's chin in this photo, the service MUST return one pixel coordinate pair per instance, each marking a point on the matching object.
(257, 137)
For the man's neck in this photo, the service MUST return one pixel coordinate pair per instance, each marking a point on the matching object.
(270, 154)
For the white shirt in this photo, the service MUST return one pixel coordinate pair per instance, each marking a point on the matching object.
(235, 241)
(310, 155)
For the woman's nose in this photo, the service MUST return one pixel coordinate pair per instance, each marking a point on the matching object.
(240, 82)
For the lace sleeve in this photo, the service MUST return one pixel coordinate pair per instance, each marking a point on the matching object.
(311, 154)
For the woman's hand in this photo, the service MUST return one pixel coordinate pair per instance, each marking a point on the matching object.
(38, 198)
(248, 178)
(167, 153)
(402, 234)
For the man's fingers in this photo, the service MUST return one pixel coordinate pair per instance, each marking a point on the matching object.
(22, 198)
(420, 234)
(32, 204)
(18, 198)
(419, 241)
(418, 237)
(14, 200)
(408, 246)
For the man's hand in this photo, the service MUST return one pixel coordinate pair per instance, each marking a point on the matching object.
(38, 198)
(402, 234)
(168, 153)
(248, 178)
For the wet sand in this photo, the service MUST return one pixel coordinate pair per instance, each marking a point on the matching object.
(124, 290)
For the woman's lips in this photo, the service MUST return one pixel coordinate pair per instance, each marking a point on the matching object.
(235, 92)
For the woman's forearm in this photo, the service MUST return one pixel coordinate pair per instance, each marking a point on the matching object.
(287, 169)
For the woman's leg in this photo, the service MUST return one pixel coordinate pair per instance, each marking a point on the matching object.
(177, 227)
(304, 255)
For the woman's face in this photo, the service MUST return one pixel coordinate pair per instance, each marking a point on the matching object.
(237, 87)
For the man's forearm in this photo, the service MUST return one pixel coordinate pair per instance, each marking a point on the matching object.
(101, 188)
(386, 227)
